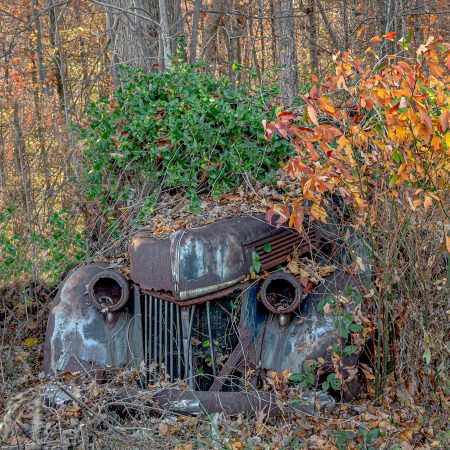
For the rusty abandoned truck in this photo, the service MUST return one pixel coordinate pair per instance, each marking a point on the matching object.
(188, 310)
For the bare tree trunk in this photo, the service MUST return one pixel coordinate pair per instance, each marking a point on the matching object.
(2, 166)
(21, 164)
(287, 56)
(210, 32)
(274, 34)
(39, 47)
(233, 32)
(261, 35)
(232, 25)
(418, 21)
(311, 32)
(353, 25)
(254, 53)
(193, 48)
(165, 38)
(114, 68)
(388, 21)
(134, 32)
(55, 41)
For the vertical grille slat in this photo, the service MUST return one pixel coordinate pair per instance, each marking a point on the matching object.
(150, 330)
(155, 330)
(177, 311)
(166, 344)
(160, 332)
(171, 343)
(145, 338)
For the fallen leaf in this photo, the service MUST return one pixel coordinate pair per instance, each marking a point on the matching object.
(406, 435)
(29, 342)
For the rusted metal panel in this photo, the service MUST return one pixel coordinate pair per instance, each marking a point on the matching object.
(198, 402)
(282, 242)
(81, 337)
(281, 293)
(282, 347)
(250, 403)
(169, 296)
(197, 263)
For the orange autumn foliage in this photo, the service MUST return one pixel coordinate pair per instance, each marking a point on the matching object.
(370, 130)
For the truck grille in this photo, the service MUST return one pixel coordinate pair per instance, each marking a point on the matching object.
(162, 339)
(168, 331)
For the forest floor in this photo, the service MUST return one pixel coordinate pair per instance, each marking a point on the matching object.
(85, 420)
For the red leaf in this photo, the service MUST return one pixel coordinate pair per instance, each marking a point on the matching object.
(286, 115)
(297, 217)
(299, 131)
(390, 36)
(426, 119)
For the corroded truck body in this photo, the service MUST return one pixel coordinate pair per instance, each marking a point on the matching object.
(188, 310)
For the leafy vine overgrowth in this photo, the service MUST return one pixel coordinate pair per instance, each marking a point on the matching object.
(181, 130)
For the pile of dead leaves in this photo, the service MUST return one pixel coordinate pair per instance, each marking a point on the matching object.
(82, 417)
(174, 212)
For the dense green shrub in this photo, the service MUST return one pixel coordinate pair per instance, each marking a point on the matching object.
(177, 129)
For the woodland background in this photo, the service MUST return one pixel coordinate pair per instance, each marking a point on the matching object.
(67, 195)
(59, 56)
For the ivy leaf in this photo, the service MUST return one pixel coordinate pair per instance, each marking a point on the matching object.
(349, 349)
(256, 263)
(356, 327)
(296, 378)
(343, 438)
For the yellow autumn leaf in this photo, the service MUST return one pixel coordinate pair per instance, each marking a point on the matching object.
(29, 342)
(427, 202)
(318, 212)
(406, 435)
(326, 104)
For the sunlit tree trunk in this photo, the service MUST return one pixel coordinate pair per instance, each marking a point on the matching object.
(286, 51)
(210, 32)
(166, 50)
